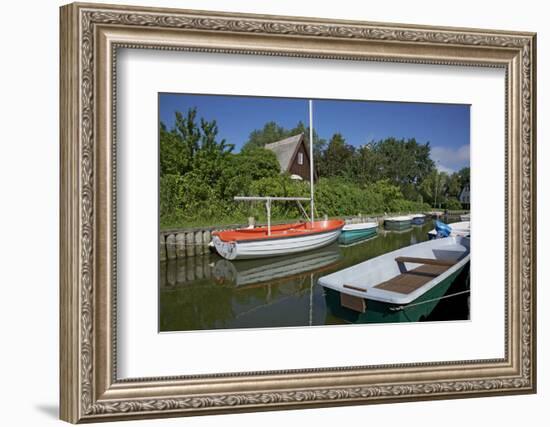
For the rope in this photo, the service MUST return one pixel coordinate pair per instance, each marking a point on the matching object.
(403, 307)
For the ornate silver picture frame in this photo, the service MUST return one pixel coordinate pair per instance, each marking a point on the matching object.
(91, 34)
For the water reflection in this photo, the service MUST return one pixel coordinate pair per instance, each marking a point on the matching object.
(208, 292)
(255, 272)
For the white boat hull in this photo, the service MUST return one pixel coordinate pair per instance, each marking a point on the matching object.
(360, 226)
(274, 247)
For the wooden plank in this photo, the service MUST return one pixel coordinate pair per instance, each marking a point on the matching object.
(411, 280)
(355, 288)
(353, 303)
(430, 261)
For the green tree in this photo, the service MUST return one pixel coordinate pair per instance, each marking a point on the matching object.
(190, 146)
(187, 130)
(241, 169)
(366, 166)
(337, 159)
(434, 188)
(403, 161)
(175, 156)
(271, 132)
(210, 156)
(455, 185)
(464, 175)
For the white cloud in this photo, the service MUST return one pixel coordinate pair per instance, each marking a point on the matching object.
(445, 169)
(449, 159)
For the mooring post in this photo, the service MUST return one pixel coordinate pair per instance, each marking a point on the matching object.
(206, 239)
(171, 246)
(190, 244)
(198, 243)
(162, 248)
(180, 245)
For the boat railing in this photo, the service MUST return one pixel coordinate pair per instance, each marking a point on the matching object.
(268, 200)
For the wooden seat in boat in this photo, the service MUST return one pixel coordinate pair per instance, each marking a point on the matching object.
(430, 261)
(409, 281)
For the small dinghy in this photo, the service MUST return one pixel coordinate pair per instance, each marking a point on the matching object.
(398, 223)
(454, 229)
(408, 276)
(352, 233)
(418, 219)
(278, 240)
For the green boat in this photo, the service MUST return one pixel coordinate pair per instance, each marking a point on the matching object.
(401, 286)
(398, 223)
(353, 233)
(377, 312)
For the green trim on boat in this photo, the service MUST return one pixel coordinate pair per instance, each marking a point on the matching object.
(352, 236)
(380, 312)
(398, 225)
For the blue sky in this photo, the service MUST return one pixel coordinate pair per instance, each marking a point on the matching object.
(445, 126)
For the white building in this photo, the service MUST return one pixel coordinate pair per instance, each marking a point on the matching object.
(464, 196)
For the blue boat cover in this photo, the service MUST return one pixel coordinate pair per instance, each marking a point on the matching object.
(442, 229)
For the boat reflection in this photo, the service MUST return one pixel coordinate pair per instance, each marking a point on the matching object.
(240, 273)
(254, 272)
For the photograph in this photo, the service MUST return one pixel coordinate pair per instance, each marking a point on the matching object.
(290, 212)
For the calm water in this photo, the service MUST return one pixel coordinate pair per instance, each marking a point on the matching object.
(208, 292)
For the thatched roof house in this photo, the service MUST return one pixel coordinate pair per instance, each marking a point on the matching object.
(293, 156)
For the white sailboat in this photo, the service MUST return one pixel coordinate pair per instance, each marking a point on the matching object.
(284, 239)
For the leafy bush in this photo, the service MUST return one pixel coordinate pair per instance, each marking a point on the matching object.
(453, 204)
(189, 200)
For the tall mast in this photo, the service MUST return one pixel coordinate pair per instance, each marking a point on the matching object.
(311, 160)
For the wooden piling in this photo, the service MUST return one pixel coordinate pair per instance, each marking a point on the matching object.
(162, 248)
(206, 239)
(190, 244)
(198, 243)
(180, 245)
(171, 247)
